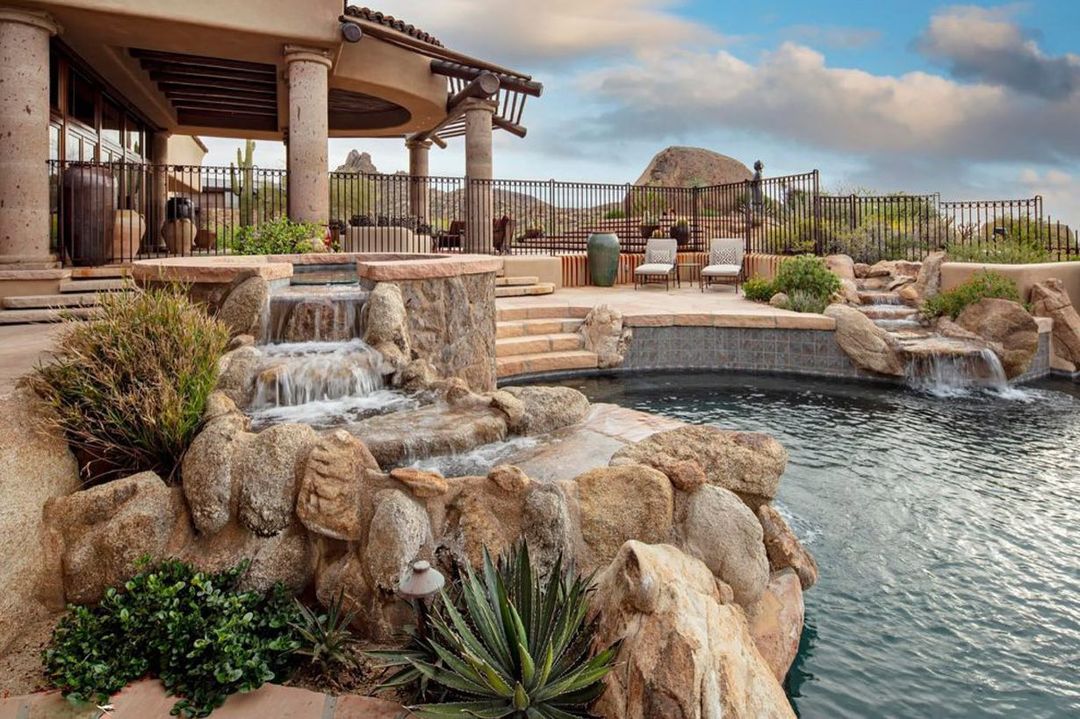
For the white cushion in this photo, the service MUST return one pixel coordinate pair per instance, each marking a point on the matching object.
(658, 256)
(655, 268)
(721, 270)
(724, 253)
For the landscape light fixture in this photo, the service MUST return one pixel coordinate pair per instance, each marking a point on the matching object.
(420, 587)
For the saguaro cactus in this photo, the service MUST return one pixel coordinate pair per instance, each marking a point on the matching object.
(242, 182)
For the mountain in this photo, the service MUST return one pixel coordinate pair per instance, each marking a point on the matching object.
(358, 162)
(692, 167)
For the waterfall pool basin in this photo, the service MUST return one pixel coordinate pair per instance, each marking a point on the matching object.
(944, 529)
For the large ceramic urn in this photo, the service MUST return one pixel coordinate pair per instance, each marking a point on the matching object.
(179, 235)
(127, 235)
(603, 258)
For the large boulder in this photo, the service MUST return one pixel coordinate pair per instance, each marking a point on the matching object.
(1007, 324)
(776, 621)
(386, 326)
(842, 266)
(245, 306)
(1050, 299)
(616, 504)
(868, 346)
(747, 463)
(335, 497)
(928, 281)
(267, 470)
(207, 466)
(548, 408)
(603, 333)
(432, 430)
(684, 654)
(101, 533)
(548, 527)
(693, 167)
(399, 530)
(35, 466)
(784, 549)
(237, 370)
(482, 514)
(715, 526)
(288, 557)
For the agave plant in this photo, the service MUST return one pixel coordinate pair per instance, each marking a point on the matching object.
(326, 638)
(509, 645)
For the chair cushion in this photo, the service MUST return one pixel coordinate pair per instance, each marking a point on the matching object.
(721, 270)
(654, 268)
(723, 254)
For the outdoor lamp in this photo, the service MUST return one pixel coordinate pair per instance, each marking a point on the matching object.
(420, 585)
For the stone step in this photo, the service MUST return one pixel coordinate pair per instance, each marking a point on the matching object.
(34, 302)
(542, 326)
(545, 362)
(888, 312)
(24, 317)
(540, 288)
(535, 344)
(100, 285)
(516, 281)
(100, 273)
(506, 314)
(879, 297)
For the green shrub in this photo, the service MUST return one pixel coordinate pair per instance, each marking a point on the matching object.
(511, 645)
(803, 301)
(326, 639)
(1002, 252)
(129, 388)
(280, 236)
(808, 274)
(980, 285)
(758, 289)
(615, 215)
(201, 636)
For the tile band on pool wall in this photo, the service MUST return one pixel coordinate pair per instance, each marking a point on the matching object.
(812, 352)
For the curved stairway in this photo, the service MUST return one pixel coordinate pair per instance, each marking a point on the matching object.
(539, 339)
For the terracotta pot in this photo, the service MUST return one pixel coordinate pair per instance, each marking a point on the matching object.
(127, 235)
(179, 236)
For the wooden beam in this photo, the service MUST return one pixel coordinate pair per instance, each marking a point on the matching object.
(512, 128)
(209, 74)
(227, 122)
(482, 86)
(204, 90)
(214, 94)
(201, 61)
(205, 107)
(465, 72)
(224, 106)
(215, 85)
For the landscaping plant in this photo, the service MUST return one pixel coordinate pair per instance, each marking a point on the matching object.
(510, 644)
(803, 301)
(197, 632)
(326, 639)
(280, 236)
(129, 388)
(979, 286)
(757, 289)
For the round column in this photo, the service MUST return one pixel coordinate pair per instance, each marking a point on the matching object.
(24, 138)
(478, 195)
(309, 183)
(159, 156)
(419, 150)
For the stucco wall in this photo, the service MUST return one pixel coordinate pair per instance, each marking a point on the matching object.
(955, 273)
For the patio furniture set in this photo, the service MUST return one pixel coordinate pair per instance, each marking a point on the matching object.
(725, 263)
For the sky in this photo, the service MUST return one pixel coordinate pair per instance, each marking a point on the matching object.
(975, 101)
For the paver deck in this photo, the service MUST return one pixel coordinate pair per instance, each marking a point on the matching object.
(21, 346)
(654, 306)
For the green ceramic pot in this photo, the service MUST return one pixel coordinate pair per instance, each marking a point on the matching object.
(603, 257)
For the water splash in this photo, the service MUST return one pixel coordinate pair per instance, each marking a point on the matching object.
(320, 314)
(478, 461)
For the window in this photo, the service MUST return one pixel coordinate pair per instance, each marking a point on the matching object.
(73, 148)
(112, 119)
(54, 142)
(54, 81)
(82, 100)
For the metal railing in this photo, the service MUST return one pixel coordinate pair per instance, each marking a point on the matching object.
(115, 212)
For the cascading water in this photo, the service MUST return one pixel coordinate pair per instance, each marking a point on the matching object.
(322, 314)
(322, 384)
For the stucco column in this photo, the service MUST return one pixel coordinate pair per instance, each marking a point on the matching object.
(418, 185)
(24, 138)
(309, 183)
(159, 158)
(478, 195)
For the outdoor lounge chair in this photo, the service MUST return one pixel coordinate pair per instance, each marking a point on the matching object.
(659, 263)
(502, 235)
(725, 262)
(451, 239)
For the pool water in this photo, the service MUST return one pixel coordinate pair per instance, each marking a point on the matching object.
(947, 532)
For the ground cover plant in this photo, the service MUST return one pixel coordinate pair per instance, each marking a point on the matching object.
(129, 388)
(279, 236)
(758, 289)
(502, 642)
(979, 286)
(198, 633)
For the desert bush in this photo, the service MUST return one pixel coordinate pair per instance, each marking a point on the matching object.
(808, 274)
(758, 289)
(508, 645)
(280, 236)
(198, 633)
(129, 388)
(615, 215)
(979, 286)
(803, 301)
(1005, 252)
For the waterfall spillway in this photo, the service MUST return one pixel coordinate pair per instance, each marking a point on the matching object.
(315, 314)
(945, 366)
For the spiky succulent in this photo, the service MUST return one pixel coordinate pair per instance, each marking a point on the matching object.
(508, 645)
(326, 639)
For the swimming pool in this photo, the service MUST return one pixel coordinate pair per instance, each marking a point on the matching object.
(947, 531)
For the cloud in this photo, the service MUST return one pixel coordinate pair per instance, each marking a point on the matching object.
(792, 94)
(987, 46)
(554, 32)
(833, 36)
(1060, 192)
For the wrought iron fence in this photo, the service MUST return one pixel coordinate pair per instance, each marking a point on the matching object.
(116, 212)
